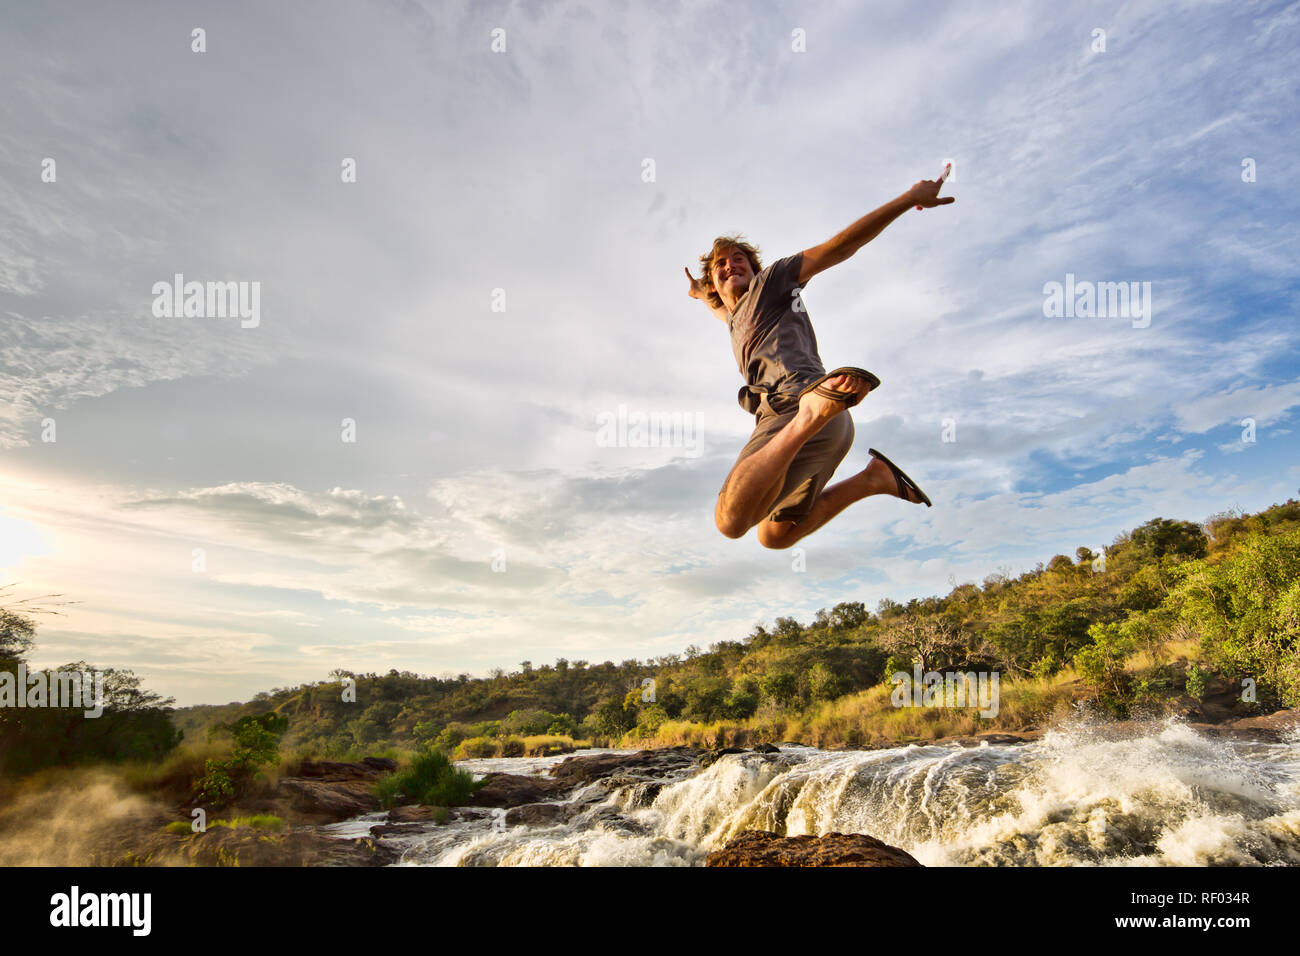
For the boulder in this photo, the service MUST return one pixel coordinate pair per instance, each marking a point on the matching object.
(644, 764)
(246, 846)
(537, 814)
(421, 813)
(333, 770)
(992, 739)
(327, 801)
(398, 829)
(763, 848)
(711, 757)
(514, 790)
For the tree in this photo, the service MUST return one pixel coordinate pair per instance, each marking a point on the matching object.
(256, 744)
(1162, 536)
(930, 641)
(823, 684)
(17, 629)
(612, 719)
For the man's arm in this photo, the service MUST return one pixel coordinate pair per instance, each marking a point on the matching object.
(840, 247)
(697, 291)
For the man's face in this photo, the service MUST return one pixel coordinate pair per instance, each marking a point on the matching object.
(731, 272)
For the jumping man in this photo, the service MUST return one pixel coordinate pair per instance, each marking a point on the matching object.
(802, 430)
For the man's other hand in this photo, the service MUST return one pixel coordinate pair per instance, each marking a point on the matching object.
(926, 194)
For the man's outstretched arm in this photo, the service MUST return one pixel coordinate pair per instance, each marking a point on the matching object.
(697, 291)
(840, 247)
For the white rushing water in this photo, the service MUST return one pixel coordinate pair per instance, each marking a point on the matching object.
(1169, 796)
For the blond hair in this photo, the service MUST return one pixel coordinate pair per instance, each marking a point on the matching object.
(724, 244)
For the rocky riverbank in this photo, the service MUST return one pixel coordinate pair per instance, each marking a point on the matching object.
(575, 792)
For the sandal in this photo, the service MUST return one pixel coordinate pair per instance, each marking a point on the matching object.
(848, 398)
(904, 482)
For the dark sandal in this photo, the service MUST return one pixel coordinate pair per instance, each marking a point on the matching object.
(904, 482)
(848, 398)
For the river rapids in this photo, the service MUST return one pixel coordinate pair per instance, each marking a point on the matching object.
(1078, 796)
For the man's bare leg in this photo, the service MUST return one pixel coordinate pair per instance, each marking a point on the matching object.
(754, 483)
(875, 479)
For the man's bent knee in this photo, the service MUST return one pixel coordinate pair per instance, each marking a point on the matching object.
(772, 535)
(730, 525)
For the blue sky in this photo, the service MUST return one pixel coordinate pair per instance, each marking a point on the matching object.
(523, 171)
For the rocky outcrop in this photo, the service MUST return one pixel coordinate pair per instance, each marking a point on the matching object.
(248, 846)
(644, 764)
(550, 749)
(514, 790)
(993, 739)
(327, 801)
(763, 848)
(327, 791)
(538, 814)
(709, 758)
(370, 768)
(1277, 727)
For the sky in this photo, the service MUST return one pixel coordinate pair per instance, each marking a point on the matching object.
(466, 225)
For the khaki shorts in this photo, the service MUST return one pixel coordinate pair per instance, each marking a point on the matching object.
(812, 466)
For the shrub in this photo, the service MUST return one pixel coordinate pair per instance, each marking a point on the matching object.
(1247, 610)
(431, 779)
(256, 744)
(476, 748)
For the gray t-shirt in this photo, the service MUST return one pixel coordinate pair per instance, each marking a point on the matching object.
(773, 341)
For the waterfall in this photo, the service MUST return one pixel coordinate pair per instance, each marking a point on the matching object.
(1081, 795)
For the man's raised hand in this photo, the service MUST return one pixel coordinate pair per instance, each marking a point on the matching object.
(697, 290)
(925, 194)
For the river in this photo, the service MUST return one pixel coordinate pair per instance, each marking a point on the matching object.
(1076, 797)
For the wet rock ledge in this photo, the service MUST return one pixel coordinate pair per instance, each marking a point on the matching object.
(764, 848)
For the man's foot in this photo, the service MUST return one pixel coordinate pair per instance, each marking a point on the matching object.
(885, 478)
(823, 408)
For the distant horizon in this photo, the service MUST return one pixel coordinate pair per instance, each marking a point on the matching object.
(439, 251)
(518, 669)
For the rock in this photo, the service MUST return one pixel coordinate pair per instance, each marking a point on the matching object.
(711, 757)
(992, 739)
(766, 749)
(550, 750)
(327, 801)
(608, 818)
(764, 848)
(644, 764)
(414, 813)
(246, 846)
(537, 815)
(397, 829)
(642, 794)
(420, 813)
(333, 770)
(381, 764)
(514, 790)
(1273, 728)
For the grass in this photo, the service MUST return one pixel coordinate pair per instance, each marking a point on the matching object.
(869, 718)
(260, 821)
(431, 779)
